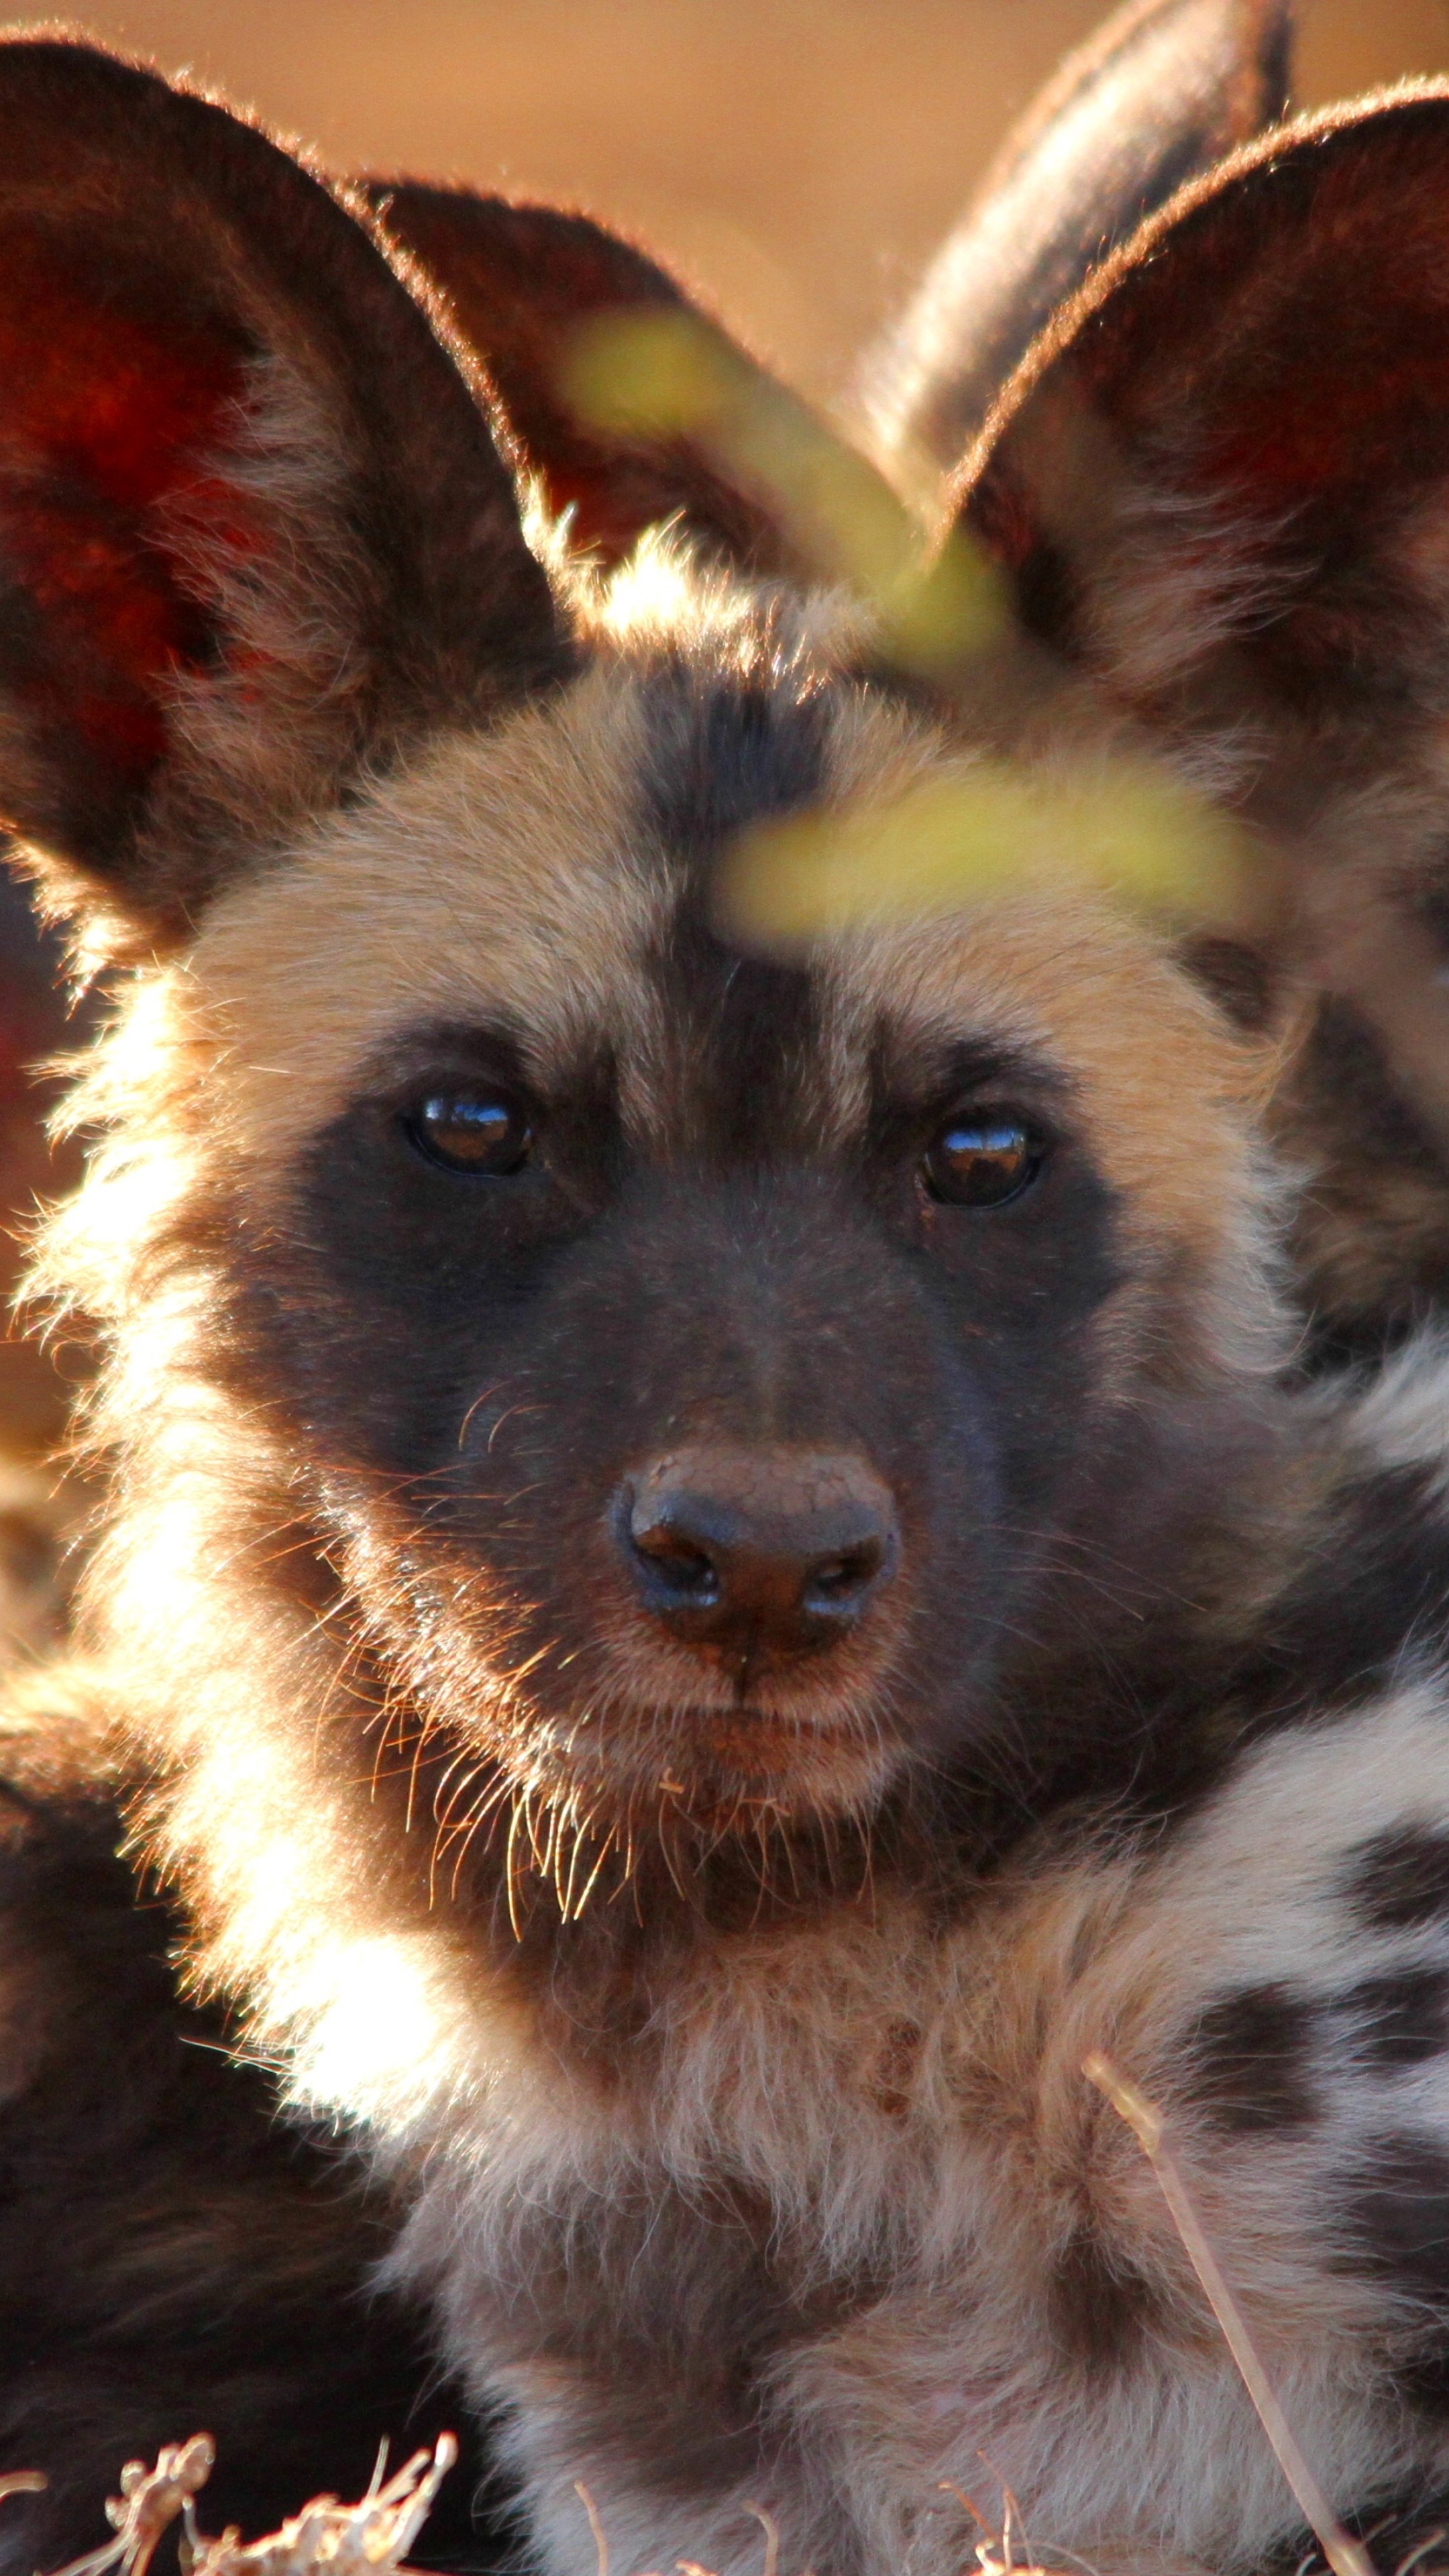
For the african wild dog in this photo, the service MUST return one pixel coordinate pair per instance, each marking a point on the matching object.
(720, 1557)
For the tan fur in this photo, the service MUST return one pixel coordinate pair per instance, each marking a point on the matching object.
(518, 867)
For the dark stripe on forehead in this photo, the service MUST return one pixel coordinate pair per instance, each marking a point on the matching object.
(741, 1044)
(723, 752)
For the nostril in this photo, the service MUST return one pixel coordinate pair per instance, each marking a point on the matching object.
(681, 1570)
(837, 1582)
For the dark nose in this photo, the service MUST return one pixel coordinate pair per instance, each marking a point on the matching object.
(775, 1553)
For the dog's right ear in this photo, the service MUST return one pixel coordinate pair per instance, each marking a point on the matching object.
(1219, 489)
(254, 528)
(632, 405)
(536, 291)
(1163, 91)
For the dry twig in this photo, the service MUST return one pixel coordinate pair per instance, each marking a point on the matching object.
(1346, 2557)
(370, 2538)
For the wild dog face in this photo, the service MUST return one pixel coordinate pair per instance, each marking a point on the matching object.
(676, 1379)
(705, 1361)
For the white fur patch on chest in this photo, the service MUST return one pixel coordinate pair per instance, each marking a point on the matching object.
(907, 2104)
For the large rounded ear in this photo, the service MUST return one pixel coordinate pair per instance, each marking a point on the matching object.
(1165, 89)
(532, 289)
(633, 406)
(1221, 484)
(254, 528)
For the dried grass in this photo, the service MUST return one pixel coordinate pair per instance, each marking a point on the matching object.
(369, 2538)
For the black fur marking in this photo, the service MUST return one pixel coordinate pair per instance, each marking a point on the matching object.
(1379, 1576)
(1424, 2382)
(1049, 595)
(1403, 2017)
(1397, 2211)
(1100, 2310)
(741, 1035)
(1344, 1061)
(1361, 1341)
(721, 756)
(1380, 1185)
(1239, 978)
(1399, 1881)
(1251, 2059)
(1428, 902)
(172, 2257)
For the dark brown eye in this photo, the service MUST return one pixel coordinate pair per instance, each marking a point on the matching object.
(982, 1161)
(472, 1131)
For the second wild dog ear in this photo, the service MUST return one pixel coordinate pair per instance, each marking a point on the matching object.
(630, 404)
(1221, 485)
(254, 529)
(531, 288)
(1221, 478)
(1164, 90)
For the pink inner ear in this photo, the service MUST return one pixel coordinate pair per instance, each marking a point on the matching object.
(1383, 426)
(1299, 361)
(105, 416)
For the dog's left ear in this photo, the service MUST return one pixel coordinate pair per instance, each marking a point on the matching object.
(537, 292)
(628, 401)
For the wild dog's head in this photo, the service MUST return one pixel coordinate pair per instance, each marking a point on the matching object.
(572, 1350)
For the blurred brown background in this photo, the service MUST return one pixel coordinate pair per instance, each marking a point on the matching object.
(795, 159)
